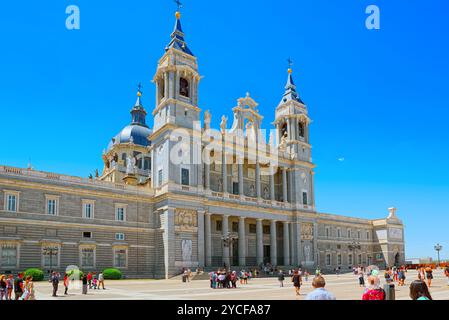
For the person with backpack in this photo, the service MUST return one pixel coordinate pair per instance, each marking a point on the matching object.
(54, 279)
(297, 281)
(281, 278)
(18, 286)
(373, 291)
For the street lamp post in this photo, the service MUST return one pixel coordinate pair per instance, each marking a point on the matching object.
(51, 251)
(227, 241)
(438, 248)
(354, 245)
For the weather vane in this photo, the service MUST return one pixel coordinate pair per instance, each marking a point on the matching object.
(179, 4)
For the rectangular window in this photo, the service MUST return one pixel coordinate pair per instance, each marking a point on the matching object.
(9, 257)
(120, 214)
(159, 177)
(349, 233)
(120, 258)
(11, 203)
(120, 236)
(328, 259)
(218, 225)
(235, 188)
(359, 259)
(235, 227)
(252, 228)
(359, 235)
(266, 229)
(50, 255)
(88, 257)
(350, 262)
(87, 235)
(338, 233)
(327, 232)
(339, 259)
(304, 198)
(51, 206)
(147, 163)
(185, 177)
(88, 210)
(367, 235)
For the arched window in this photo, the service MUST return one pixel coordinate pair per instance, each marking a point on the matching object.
(283, 129)
(161, 87)
(301, 129)
(184, 87)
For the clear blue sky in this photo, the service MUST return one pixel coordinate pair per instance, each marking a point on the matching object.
(377, 98)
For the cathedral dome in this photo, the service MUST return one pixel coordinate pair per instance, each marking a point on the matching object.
(136, 133)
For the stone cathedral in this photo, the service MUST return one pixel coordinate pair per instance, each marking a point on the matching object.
(160, 205)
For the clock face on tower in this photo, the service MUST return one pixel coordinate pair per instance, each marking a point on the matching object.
(395, 233)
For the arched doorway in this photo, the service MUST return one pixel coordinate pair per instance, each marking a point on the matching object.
(396, 259)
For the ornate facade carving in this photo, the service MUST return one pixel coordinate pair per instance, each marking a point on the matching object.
(186, 219)
(306, 231)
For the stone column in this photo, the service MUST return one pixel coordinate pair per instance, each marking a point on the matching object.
(286, 244)
(224, 169)
(259, 241)
(273, 246)
(293, 256)
(242, 242)
(240, 166)
(167, 219)
(284, 184)
(258, 194)
(298, 243)
(272, 194)
(225, 229)
(208, 239)
(201, 258)
(207, 176)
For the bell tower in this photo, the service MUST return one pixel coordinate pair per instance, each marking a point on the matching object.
(292, 122)
(292, 128)
(176, 81)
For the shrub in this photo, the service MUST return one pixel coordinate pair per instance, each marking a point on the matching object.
(112, 274)
(37, 274)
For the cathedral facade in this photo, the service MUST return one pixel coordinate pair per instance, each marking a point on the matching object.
(181, 194)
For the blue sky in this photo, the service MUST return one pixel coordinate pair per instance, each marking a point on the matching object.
(378, 98)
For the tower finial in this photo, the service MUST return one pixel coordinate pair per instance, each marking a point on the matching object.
(290, 63)
(178, 12)
(139, 89)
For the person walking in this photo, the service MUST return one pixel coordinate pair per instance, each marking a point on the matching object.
(54, 279)
(66, 284)
(89, 279)
(361, 277)
(373, 291)
(28, 292)
(446, 273)
(3, 287)
(297, 282)
(9, 287)
(281, 278)
(419, 291)
(85, 283)
(18, 286)
(320, 293)
(429, 276)
(101, 280)
(401, 277)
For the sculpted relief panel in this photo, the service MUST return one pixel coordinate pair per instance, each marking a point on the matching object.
(186, 220)
(306, 231)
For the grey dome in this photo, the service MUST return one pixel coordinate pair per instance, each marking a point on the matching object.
(138, 133)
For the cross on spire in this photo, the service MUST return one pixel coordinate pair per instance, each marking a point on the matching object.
(139, 87)
(290, 62)
(179, 4)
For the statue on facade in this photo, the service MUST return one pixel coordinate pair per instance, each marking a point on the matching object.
(207, 117)
(186, 247)
(130, 165)
(252, 191)
(266, 193)
(223, 124)
(283, 143)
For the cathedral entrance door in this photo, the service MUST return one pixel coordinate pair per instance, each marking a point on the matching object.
(235, 254)
(266, 254)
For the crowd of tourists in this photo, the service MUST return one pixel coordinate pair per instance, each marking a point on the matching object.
(223, 278)
(23, 289)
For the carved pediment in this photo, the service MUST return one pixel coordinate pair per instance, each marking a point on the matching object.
(186, 219)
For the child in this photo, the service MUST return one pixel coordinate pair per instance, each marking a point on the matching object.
(94, 282)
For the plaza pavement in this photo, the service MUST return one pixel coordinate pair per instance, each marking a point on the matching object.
(344, 287)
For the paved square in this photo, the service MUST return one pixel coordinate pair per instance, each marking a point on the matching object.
(344, 287)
